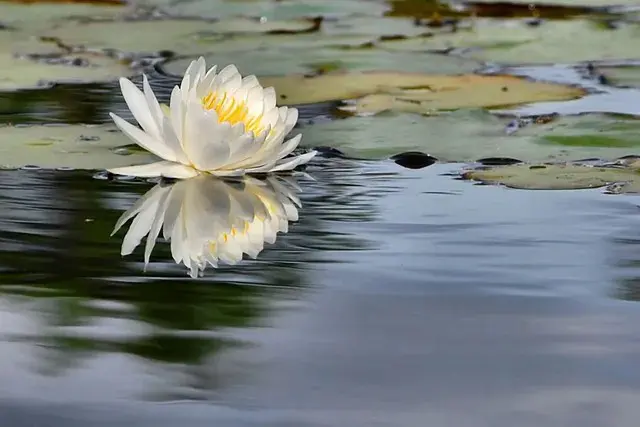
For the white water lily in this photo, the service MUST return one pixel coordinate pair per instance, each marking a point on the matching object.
(216, 123)
(210, 220)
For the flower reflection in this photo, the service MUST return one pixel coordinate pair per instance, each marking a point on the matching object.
(209, 220)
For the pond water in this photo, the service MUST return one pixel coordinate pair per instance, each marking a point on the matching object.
(400, 297)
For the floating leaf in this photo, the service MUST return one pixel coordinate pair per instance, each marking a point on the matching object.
(28, 16)
(624, 76)
(270, 9)
(514, 41)
(72, 146)
(28, 63)
(183, 36)
(470, 135)
(280, 60)
(555, 176)
(431, 92)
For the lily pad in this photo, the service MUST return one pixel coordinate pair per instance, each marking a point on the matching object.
(184, 36)
(622, 76)
(28, 63)
(30, 16)
(516, 42)
(469, 135)
(69, 146)
(554, 176)
(281, 60)
(432, 92)
(270, 9)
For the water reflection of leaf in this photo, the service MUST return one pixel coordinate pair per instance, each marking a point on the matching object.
(211, 221)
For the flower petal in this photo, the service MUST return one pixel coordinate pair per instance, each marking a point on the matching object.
(163, 169)
(144, 139)
(137, 103)
(206, 140)
(289, 164)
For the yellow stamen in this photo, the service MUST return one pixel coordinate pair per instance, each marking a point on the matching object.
(231, 111)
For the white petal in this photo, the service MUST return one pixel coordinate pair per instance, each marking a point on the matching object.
(177, 113)
(269, 98)
(206, 140)
(171, 139)
(156, 226)
(163, 169)
(227, 172)
(152, 104)
(139, 205)
(140, 225)
(289, 164)
(289, 146)
(138, 106)
(143, 139)
(290, 119)
(204, 86)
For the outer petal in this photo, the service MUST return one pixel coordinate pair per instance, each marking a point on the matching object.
(289, 164)
(137, 103)
(143, 139)
(163, 169)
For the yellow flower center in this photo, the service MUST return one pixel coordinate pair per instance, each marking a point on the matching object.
(231, 111)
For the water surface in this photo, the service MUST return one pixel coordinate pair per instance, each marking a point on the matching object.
(400, 298)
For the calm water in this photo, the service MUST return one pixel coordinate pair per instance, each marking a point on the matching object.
(401, 297)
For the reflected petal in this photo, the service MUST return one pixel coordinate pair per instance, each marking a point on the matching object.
(209, 220)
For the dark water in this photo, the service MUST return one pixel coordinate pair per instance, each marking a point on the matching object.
(400, 298)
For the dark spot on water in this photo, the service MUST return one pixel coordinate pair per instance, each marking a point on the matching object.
(330, 152)
(498, 161)
(283, 96)
(414, 159)
(392, 37)
(535, 22)
(89, 138)
(537, 167)
(505, 89)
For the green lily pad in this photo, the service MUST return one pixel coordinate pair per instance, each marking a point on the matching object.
(183, 36)
(30, 16)
(269, 9)
(513, 41)
(279, 60)
(624, 76)
(470, 135)
(556, 177)
(69, 146)
(429, 92)
(29, 63)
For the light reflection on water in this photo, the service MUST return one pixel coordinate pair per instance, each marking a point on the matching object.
(399, 296)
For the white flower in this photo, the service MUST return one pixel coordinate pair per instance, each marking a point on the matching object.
(210, 220)
(221, 124)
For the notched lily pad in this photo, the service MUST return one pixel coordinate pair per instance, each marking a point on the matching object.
(415, 92)
(555, 176)
(70, 146)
